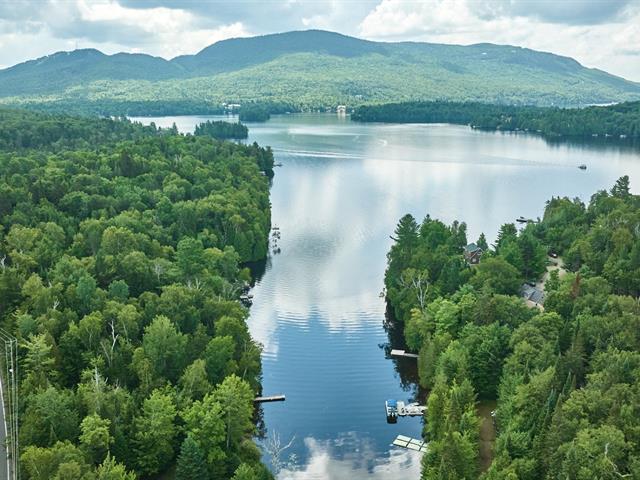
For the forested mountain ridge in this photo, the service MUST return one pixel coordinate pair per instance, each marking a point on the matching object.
(63, 69)
(121, 268)
(312, 69)
(566, 377)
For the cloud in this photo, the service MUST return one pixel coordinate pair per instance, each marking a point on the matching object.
(323, 463)
(107, 25)
(269, 16)
(601, 34)
(569, 12)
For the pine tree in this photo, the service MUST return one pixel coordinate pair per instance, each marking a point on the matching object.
(621, 187)
(191, 464)
(482, 242)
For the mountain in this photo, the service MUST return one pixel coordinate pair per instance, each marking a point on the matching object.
(64, 69)
(313, 68)
(238, 53)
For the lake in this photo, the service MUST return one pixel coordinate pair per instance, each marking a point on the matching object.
(317, 311)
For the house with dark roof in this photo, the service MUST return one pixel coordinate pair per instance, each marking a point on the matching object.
(472, 254)
(533, 295)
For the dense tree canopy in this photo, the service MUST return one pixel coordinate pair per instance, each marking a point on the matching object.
(565, 377)
(621, 120)
(120, 275)
(222, 130)
(254, 113)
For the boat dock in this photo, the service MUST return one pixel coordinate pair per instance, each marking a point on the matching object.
(410, 443)
(272, 398)
(410, 409)
(402, 353)
(246, 299)
(395, 409)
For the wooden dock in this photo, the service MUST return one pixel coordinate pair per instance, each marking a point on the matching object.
(402, 353)
(272, 398)
(410, 443)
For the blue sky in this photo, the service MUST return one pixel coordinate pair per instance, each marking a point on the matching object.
(602, 34)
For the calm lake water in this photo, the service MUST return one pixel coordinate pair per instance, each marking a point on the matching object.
(317, 311)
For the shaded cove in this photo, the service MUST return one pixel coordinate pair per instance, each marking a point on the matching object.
(317, 311)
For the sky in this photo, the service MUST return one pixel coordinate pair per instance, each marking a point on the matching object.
(602, 34)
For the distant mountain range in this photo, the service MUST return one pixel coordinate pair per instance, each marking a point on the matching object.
(314, 68)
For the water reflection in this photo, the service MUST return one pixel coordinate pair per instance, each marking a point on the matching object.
(328, 460)
(316, 309)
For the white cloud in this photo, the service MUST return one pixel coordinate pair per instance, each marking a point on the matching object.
(608, 45)
(324, 464)
(108, 26)
(168, 31)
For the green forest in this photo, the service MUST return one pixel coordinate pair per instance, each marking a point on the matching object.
(566, 377)
(254, 113)
(620, 120)
(121, 264)
(222, 130)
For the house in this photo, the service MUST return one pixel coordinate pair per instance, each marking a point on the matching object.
(532, 295)
(472, 254)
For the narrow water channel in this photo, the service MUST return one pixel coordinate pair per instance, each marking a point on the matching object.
(317, 310)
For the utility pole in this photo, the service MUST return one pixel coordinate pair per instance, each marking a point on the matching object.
(9, 401)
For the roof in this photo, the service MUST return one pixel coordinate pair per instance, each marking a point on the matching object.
(533, 294)
(471, 248)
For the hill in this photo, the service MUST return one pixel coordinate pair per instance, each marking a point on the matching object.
(311, 69)
(57, 72)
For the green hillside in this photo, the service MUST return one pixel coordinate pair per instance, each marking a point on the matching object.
(57, 72)
(312, 69)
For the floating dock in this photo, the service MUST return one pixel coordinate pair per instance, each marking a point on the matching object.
(402, 353)
(272, 398)
(410, 409)
(410, 443)
(395, 409)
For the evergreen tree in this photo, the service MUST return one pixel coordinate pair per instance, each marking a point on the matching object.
(111, 470)
(621, 187)
(244, 472)
(191, 462)
(508, 232)
(482, 242)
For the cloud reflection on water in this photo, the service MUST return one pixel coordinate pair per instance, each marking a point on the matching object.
(362, 462)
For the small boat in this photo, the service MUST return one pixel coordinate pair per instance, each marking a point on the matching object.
(521, 219)
(582, 167)
(391, 408)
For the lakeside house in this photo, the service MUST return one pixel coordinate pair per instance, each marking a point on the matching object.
(472, 254)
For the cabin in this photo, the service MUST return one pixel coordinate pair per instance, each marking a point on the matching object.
(472, 254)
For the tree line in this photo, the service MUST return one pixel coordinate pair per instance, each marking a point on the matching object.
(121, 252)
(620, 120)
(222, 130)
(566, 378)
